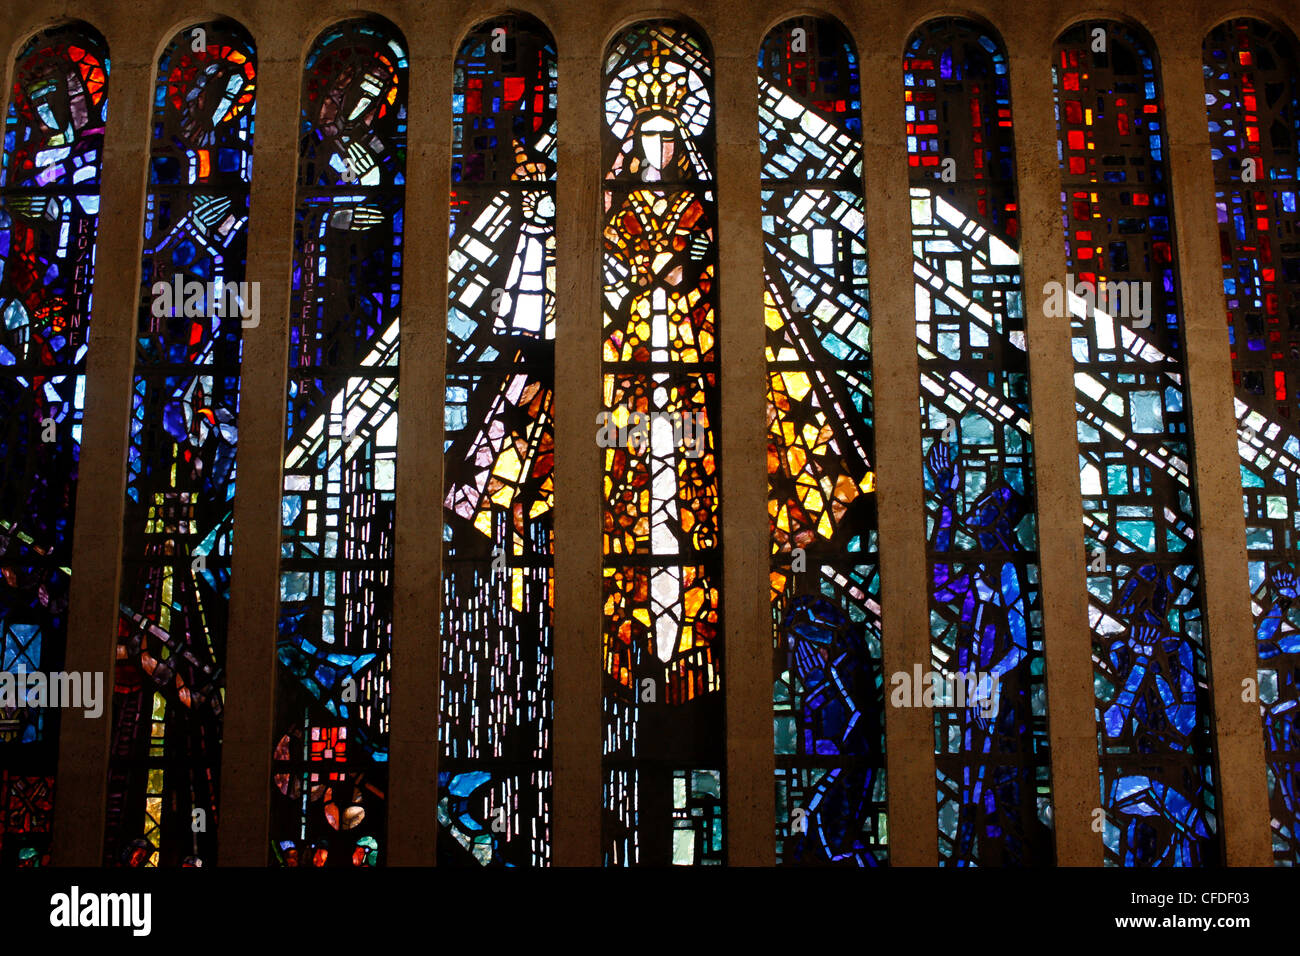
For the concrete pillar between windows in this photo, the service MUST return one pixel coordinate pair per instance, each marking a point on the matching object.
(909, 744)
(417, 637)
(749, 784)
(1071, 720)
(576, 807)
(82, 781)
(255, 577)
(1238, 740)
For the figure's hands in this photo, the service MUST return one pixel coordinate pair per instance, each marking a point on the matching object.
(1286, 583)
(357, 164)
(940, 463)
(1143, 638)
(700, 246)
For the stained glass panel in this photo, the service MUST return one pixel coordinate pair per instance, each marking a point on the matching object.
(494, 781)
(990, 726)
(663, 706)
(169, 681)
(1158, 784)
(49, 215)
(1252, 78)
(828, 691)
(334, 651)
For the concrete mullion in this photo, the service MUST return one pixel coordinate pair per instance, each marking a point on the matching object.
(1071, 719)
(904, 598)
(248, 727)
(578, 465)
(417, 638)
(746, 539)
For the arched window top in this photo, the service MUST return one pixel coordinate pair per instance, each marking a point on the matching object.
(1115, 65)
(203, 107)
(962, 48)
(1265, 46)
(54, 129)
(659, 105)
(814, 59)
(1252, 96)
(354, 106)
(810, 105)
(504, 103)
(363, 33)
(1123, 48)
(960, 140)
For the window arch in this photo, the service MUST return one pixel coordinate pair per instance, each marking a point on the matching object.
(494, 772)
(825, 581)
(49, 218)
(663, 706)
(168, 682)
(1158, 785)
(980, 492)
(1252, 82)
(334, 649)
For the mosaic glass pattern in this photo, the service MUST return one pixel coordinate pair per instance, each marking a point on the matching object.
(334, 649)
(1252, 76)
(828, 690)
(494, 786)
(49, 215)
(991, 758)
(663, 734)
(1158, 783)
(168, 686)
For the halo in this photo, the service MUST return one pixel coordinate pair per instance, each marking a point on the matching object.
(676, 49)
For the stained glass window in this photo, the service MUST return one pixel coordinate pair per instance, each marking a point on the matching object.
(825, 583)
(494, 777)
(49, 213)
(662, 632)
(1252, 76)
(990, 724)
(330, 766)
(194, 302)
(1158, 785)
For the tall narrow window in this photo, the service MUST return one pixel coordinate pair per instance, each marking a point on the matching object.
(494, 779)
(990, 722)
(336, 555)
(1158, 786)
(169, 680)
(1252, 96)
(828, 681)
(49, 213)
(663, 708)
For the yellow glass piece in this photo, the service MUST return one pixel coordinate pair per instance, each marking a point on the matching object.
(508, 465)
(797, 384)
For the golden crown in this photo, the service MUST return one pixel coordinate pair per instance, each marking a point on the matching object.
(656, 90)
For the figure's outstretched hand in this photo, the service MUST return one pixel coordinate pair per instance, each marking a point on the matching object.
(941, 466)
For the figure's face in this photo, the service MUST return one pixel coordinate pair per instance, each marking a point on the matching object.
(657, 142)
(43, 94)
